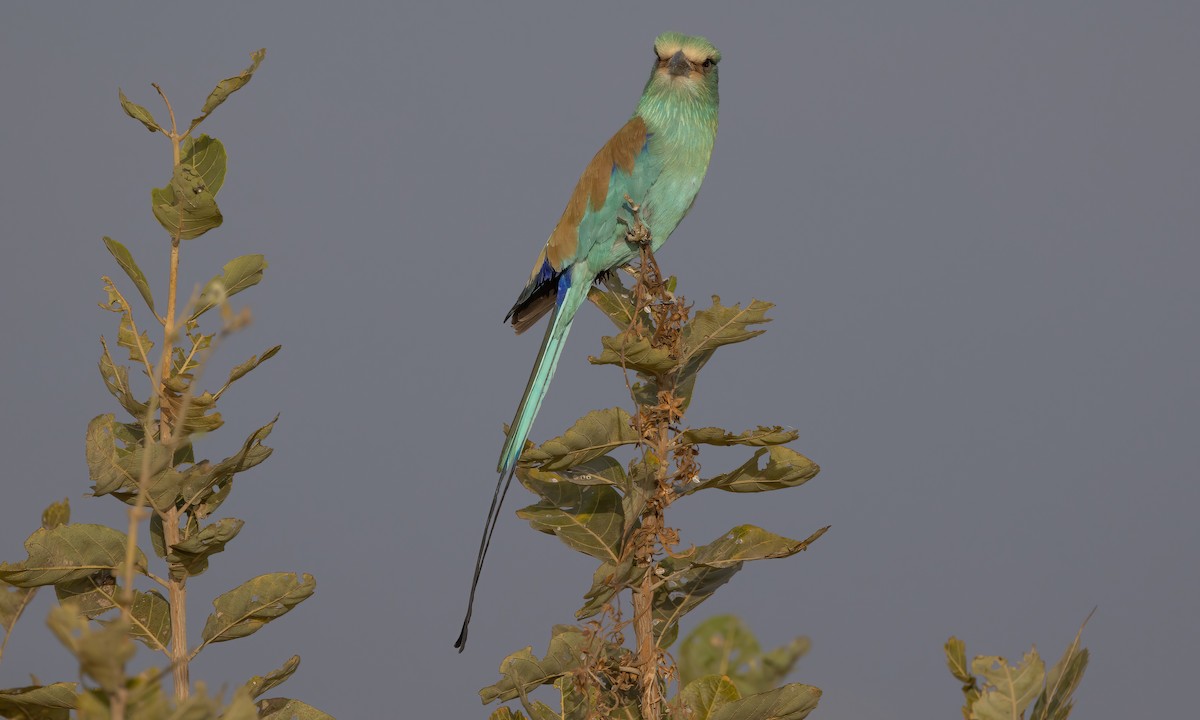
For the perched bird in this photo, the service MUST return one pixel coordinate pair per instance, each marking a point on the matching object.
(657, 160)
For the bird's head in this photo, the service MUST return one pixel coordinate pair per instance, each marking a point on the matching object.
(685, 67)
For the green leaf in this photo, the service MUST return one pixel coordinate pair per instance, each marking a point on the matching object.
(260, 684)
(139, 345)
(39, 702)
(1060, 688)
(56, 514)
(243, 707)
(581, 701)
(607, 581)
(504, 712)
(690, 580)
(116, 379)
(723, 645)
(593, 435)
(190, 557)
(287, 709)
(603, 470)
(115, 457)
(634, 353)
(249, 606)
(708, 330)
(521, 672)
(91, 596)
(125, 259)
(587, 519)
(777, 663)
(145, 698)
(200, 415)
(552, 487)
(150, 620)
(186, 207)
(202, 706)
(206, 485)
(747, 542)
(640, 486)
(706, 695)
(956, 660)
(1055, 703)
(539, 710)
(617, 303)
(1008, 689)
(13, 601)
(158, 540)
(137, 112)
(721, 325)
(240, 371)
(237, 275)
(785, 468)
(684, 586)
(229, 86)
(790, 702)
(206, 156)
(102, 654)
(185, 360)
(759, 437)
(69, 552)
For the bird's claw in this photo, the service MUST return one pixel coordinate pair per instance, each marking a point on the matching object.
(637, 233)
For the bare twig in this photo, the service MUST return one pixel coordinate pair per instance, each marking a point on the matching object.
(655, 426)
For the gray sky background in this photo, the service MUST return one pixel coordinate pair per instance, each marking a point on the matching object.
(978, 223)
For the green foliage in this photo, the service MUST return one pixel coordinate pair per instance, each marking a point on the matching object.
(186, 207)
(790, 702)
(227, 87)
(245, 609)
(150, 620)
(591, 437)
(285, 709)
(708, 694)
(40, 702)
(260, 684)
(137, 112)
(237, 275)
(190, 557)
(723, 646)
(522, 672)
(612, 511)
(68, 553)
(994, 689)
(785, 468)
(204, 156)
(13, 599)
(125, 259)
(147, 460)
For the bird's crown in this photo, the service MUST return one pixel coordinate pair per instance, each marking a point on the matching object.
(695, 48)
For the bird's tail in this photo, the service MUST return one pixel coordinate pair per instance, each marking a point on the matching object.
(518, 432)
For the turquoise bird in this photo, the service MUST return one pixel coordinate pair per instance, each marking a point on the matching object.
(657, 160)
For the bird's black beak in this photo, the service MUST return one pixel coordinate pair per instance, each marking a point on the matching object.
(679, 64)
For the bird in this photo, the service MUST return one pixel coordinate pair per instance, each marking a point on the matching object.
(652, 166)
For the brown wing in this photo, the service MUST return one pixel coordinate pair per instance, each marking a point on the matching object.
(560, 250)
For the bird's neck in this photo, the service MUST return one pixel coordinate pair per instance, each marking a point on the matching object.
(686, 124)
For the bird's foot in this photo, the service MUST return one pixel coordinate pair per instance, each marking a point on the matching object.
(636, 232)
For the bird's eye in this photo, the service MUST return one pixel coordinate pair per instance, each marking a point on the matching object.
(708, 62)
